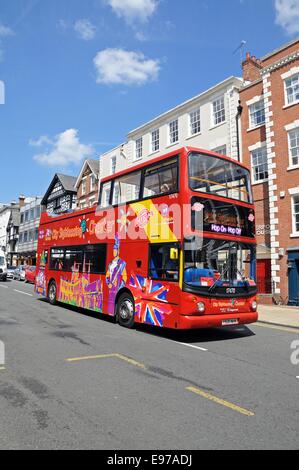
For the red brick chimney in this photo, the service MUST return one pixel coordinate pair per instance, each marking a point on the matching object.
(251, 68)
(21, 201)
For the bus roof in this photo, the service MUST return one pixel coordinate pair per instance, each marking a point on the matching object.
(182, 150)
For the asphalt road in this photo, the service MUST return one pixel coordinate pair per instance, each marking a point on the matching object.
(143, 388)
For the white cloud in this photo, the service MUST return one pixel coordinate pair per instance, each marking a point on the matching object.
(64, 150)
(117, 66)
(132, 10)
(5, 31)
(43, 140)
(287, 15)
(85, 29)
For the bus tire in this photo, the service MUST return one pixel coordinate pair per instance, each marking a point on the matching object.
(52, 293)
(125, 310)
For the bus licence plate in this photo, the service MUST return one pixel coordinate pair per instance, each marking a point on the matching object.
(234, 321)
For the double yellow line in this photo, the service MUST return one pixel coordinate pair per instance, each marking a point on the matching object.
(195, 390)
(109, 356)
(220, 401)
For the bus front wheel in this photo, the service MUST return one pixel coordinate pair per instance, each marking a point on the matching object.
(126, 310)
(52, 293)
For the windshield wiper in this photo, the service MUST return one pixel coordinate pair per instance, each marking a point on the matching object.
(220, 279)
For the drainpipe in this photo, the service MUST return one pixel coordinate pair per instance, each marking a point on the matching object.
(238, 117)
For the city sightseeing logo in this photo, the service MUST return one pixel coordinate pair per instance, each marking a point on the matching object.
(2, 92)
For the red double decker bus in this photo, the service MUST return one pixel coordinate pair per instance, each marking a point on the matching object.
(171, 244)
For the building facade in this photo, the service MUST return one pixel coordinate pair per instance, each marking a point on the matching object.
(5, 215)
(61, 195)
(28, 231)
(270, 136)
(206, 121)
(87, 184)
(13, 237)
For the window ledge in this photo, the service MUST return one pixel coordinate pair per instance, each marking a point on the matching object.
(255, 183)
(218, 125)
(256, 127)
(294, 235)
(194, 135)
(172, 145)
(154, 153)
(293, 167)
(286, 106)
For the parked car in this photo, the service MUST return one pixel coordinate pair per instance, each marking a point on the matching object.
(10, 272)
(30, 274)
(19, 274)
(3, 266)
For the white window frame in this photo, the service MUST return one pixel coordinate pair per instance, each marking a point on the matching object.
(138, 149)
(83, 186)
(171, 132)
(113, 164)
(93, 182)
(291, 164)
(253, 125)
(220, 149)
(192, 113)
(92, 201)
(287, 103)
(294, 228)
(252, 150)
(155, 131)
(214, 124)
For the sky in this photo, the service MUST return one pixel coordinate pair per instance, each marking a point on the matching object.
(79, 75)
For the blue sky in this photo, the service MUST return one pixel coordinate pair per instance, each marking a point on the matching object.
(80, 74)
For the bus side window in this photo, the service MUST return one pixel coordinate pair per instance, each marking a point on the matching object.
(57, 259)
(161, 179)
(162, 265)
(95, 257)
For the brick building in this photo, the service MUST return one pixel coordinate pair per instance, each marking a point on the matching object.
(270, 141)
(87, 184)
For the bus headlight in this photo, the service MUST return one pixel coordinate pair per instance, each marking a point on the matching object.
(201, 307)
(254, 305)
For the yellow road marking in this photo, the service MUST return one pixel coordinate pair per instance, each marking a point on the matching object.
(277, 327)
(219, 401)
(130, 361)
(108, 356)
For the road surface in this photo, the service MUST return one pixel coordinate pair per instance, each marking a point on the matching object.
(75, 381)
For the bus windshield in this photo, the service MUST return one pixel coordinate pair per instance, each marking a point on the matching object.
(213, 175)
(219, 266)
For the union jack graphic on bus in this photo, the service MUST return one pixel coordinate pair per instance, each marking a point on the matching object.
(150, 300)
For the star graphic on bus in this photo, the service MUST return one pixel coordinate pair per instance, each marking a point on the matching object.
(123, 221)
(83, 225)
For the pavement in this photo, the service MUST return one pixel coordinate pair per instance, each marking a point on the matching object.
(281, 316)
(73, 380)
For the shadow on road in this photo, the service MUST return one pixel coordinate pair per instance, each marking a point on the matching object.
(189, 336)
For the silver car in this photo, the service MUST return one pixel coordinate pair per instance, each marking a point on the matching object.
(19, 274)
(10, 272)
